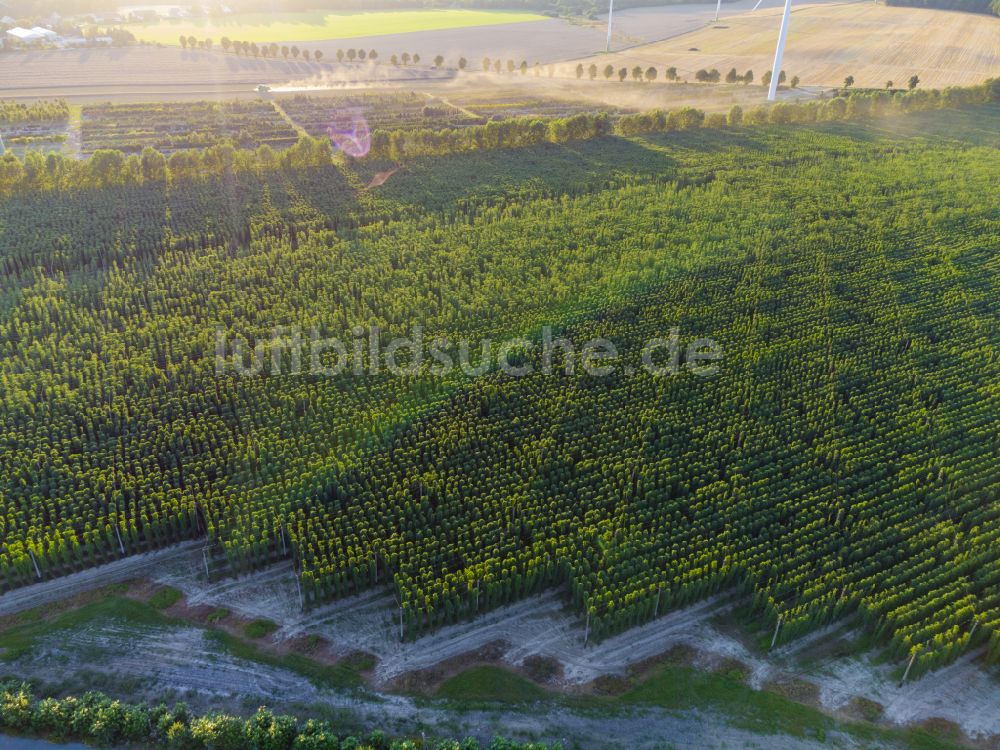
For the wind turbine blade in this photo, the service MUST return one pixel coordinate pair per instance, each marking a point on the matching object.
(611, 15)
(779, 52)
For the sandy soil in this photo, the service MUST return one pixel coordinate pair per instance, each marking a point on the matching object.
(540, 626)
(829, 41)
(961, 692)
(183, 660)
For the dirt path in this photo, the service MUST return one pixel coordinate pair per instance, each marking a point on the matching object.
(541, 626)
(182, 659)
(134, 566)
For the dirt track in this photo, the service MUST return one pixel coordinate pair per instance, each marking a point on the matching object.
(184, 660)
(541, 626)
(135, 566)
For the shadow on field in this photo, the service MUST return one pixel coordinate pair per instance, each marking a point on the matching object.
(573, 169)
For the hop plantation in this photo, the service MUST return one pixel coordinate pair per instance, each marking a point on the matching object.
(844, 459)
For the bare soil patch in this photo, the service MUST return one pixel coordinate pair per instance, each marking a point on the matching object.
(707, 635)
(427, 680)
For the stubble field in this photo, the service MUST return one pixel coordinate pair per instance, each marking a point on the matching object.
(320, 25)
(828, 42)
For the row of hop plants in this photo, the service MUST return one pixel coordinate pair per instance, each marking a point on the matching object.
(798, 554)
(96, 719)
(170, 458)
(176, 125)
(632, 493)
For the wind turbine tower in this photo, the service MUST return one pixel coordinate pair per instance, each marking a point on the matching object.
(611, 15)
(779, 52)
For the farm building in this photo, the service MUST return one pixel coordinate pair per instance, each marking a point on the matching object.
(34, 35)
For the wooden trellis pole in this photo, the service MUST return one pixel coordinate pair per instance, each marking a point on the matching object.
(777, 627)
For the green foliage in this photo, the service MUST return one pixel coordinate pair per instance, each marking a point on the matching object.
(102, 721)
(165, 598)
(415, 139)
(13, 112)
(687, 688)
(486, 684)
(812, 472)
(259, 628)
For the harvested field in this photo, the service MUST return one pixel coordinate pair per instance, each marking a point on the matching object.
(148, 73)
(828, 42)
(320, 25)
(121, 74)
(490, 95)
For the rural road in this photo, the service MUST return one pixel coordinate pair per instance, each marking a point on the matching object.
(147, 72)
(134, 566)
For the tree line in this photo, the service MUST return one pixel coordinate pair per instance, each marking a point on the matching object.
(252, 49)
(522, 131)
(12, 112)
(38, 172)
(55, 171)
(96, 719)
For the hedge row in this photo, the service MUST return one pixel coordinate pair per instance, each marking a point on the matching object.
(99, 720)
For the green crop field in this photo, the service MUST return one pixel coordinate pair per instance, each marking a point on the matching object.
(844, 458)
(315, 26)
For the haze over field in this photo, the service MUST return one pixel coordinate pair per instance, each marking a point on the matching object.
(827, 42)
(830, 41)
(318, 25)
